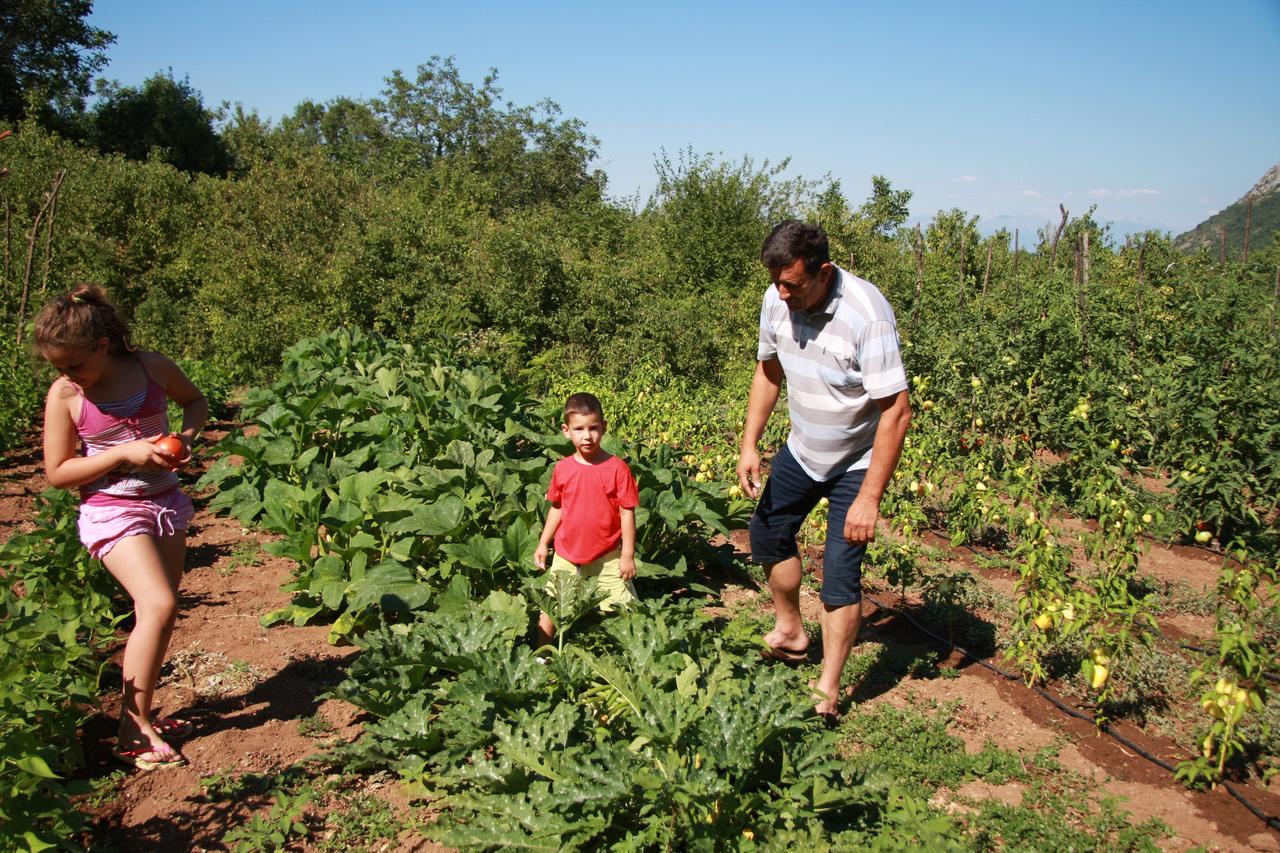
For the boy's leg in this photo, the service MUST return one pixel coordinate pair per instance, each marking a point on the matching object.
(841, 592)
(788, 497)
(138, 564)
(606, 570)
(546, 630)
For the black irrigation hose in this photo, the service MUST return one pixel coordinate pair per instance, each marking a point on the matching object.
(1272, 822)
(1188, 646)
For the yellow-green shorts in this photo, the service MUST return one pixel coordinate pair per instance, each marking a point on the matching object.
(604, 570)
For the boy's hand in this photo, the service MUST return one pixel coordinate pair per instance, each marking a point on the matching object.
(540, 556)
(627, 568)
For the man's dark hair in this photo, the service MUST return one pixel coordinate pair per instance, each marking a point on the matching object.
(583, 404)
(792, 240)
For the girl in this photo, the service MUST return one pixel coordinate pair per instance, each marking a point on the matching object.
(111, 397)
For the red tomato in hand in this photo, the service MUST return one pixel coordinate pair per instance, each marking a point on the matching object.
(172, 447)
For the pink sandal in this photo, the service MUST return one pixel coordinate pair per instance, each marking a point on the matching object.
(161, 758)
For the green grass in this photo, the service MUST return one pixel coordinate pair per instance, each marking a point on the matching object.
(931, 764)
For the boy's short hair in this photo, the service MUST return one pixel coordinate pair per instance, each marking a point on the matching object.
(583, 404)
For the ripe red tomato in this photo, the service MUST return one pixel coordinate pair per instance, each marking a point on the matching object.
(172, 447)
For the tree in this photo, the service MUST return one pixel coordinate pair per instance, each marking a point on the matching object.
(887, 208)
(349, 130)
(48, 55)
(164, 113)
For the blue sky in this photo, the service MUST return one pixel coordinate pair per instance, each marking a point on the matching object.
(1160, 113)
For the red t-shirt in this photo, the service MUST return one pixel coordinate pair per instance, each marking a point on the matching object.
(589, 497)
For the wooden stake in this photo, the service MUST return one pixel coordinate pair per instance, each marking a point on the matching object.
(31, 251)
(48, 239)
(1053, 262)
(915, 307)
(1085, 257)
(1015, 251)
(986, 275)
(964, 251)
(1222, 245)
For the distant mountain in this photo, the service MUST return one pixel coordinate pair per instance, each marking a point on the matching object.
(1263, 223)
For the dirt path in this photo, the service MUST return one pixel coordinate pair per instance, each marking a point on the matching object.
(254, 697)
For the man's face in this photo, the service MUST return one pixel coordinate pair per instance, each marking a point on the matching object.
(800, 290)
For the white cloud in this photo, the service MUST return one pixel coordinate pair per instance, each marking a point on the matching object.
(1103, 193)
(965, 179)
(1029, 193)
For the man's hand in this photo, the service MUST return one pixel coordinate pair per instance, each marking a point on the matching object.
(749, 472)
(540, 555)
(860, 521)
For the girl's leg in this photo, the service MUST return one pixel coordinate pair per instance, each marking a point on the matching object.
(142, 566)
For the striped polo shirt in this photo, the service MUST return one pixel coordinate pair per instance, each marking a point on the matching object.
(838, 360)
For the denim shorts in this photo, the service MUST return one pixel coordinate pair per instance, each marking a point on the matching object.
(789, 496)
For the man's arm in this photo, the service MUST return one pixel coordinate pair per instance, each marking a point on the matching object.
(895, 417)
(766, 386)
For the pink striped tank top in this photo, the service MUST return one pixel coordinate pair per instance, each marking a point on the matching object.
(105, 425)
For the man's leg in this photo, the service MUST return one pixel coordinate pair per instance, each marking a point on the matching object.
(788, 497)
(841, 593)
(788, 627)
(839, 632)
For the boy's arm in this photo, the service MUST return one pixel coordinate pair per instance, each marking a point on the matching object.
(627, 563)
(548, 533)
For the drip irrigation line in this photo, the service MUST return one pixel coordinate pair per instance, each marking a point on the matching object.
(1188, 646)
(1271, 821)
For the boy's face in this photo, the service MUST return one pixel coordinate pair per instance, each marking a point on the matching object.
(585, 431)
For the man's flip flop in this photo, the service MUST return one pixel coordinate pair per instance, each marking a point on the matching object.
(778, 653)
(172, 728)
(148, 757)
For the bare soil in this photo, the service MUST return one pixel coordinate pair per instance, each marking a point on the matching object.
(247, 690)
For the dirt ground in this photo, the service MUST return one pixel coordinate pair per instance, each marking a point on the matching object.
(253, 694)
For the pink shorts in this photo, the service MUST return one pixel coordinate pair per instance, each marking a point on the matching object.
(102, 526)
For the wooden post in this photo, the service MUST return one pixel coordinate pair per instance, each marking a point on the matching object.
(1248, 221)
(1053, 262)
(986, 275)
(1085, 257)
(1082, 279)
(1015, 251)
(48, 239)
(964, 251)
(915, 307)
(31, 251)
(1222, 245)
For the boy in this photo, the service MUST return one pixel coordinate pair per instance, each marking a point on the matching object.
(593, 512)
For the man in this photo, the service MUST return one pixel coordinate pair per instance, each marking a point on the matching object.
(833, 337)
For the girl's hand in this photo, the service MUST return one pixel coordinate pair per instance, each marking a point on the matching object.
(540, 556)
(143, 454)
(627, 568)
